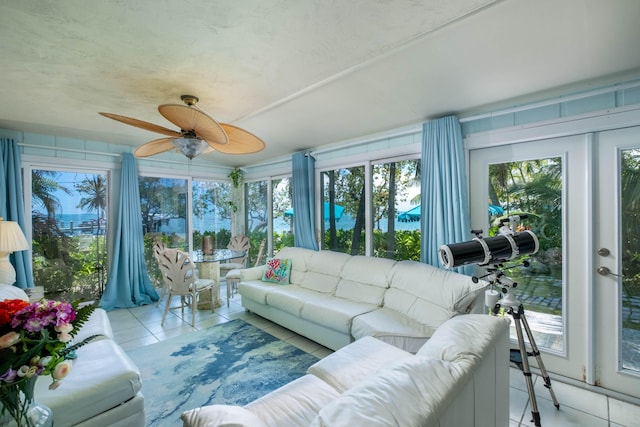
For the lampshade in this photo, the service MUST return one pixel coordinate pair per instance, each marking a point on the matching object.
(11, 240)
(11, 237)
(190, 147)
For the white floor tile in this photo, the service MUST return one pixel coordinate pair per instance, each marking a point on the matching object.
(518, 404)
(132, 333)
(140, 342)
(563, 417)
(624, 413)
(574, 397)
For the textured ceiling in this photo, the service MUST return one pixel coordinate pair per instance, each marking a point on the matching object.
(297, 73)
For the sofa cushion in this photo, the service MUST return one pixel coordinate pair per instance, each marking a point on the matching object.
(353, 363)
(333, 312)
(220, 415)
(428, 294)
(324, 270)
(291, 298)
(393, 328)
(256, 290)
(294, 404)
(102, 377)
(410, 393)
(300, 258)
(277, 270)
(365, 279)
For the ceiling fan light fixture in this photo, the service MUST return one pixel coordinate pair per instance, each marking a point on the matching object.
(190, 147)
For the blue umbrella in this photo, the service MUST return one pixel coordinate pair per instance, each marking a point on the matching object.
(339, 210)
(413, 214)
(496, 210)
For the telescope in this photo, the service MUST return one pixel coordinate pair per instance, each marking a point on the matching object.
(491, 250)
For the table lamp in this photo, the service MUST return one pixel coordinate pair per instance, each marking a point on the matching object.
(12, 239)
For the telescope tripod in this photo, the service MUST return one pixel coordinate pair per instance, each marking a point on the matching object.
(519, 318)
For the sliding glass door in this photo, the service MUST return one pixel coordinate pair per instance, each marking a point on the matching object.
(69, 229)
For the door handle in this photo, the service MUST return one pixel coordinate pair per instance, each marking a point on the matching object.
(605, 271)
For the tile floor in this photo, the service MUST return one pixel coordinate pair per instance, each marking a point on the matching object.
(578, 407)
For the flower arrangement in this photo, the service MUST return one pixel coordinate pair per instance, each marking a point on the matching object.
(35, 339)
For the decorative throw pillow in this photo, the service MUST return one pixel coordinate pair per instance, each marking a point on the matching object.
(277, 271)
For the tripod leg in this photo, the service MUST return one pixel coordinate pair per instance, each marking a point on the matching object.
(525, 368)
(536, 353)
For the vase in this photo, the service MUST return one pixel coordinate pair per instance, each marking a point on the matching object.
(17, 410)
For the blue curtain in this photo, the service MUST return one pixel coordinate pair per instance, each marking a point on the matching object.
(444, 196)
(128, 284)
(12, 206)
(304, 214)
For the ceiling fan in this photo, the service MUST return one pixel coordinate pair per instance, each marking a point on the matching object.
(199, 133)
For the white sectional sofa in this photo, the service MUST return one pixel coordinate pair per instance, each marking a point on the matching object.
(104, 386)
(334, 298)
(459, 377)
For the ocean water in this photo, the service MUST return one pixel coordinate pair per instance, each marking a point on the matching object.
(211, 222)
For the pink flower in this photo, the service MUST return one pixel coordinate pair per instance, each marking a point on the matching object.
(64, 328)
(61, 370)
(64, 337)
(9, 339)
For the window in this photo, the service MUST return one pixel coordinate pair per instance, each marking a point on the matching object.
(396, 210)
(163, 203)
(256, 211)
(343, 224)
(69, 227)
(282, 213)
(211, 213)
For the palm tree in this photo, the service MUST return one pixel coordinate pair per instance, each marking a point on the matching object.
(96, 189)
(43, 187)
(96, 201)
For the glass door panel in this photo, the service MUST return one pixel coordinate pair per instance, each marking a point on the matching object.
(547, 181)
(617, 261)
(69, 229)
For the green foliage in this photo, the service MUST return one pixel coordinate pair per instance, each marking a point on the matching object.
(407, 245)
(282, 240)
(236, 177)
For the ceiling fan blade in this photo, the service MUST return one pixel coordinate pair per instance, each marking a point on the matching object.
(156, 146)
(189, 118)
(144, 125)
(240, 141)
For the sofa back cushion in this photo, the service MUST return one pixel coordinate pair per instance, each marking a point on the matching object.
(324, 270)
(428, 294)
(299, 262)
(412, 392)
(365, 279)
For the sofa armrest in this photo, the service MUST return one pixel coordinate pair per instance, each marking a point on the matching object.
(253, 273)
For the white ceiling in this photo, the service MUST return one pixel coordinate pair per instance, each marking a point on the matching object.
(299, 73)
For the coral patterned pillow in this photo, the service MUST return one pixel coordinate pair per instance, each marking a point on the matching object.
(277, 271)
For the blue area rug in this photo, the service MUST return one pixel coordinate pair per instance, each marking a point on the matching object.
(233, 363)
